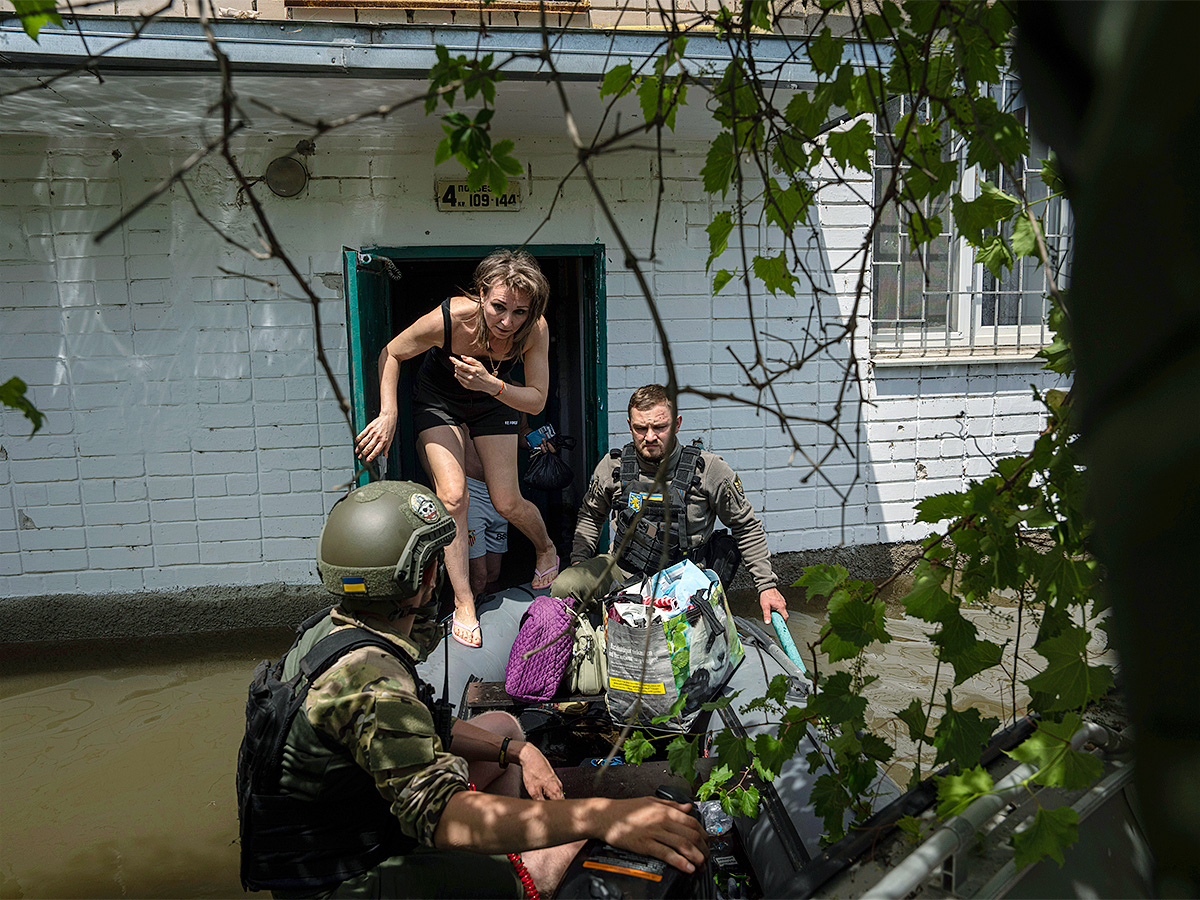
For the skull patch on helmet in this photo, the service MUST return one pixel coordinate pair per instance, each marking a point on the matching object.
(424, 507)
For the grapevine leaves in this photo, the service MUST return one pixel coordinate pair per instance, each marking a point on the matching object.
(13, 393)
(1068, 682)
(1052, 831)
(1050, 752)
(945, 63)
(35, 14)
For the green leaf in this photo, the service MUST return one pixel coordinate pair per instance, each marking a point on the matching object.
(497, 180)
(915, 717)
(682, 754)
(757, 13)
(867, 92)
(850, 146)
(718, 230)
(720, 702)
(837, 701)
(957, 792)
(1068, 682)
(717, 777)
(825, 51)
(911, 826)
(996, 137)
(995, 254)
(961, 736)
(509, 165)
(618, 81)
(806, 114)
(775, 275)
(1052, 832)
(720, 164)
(985, 213)
(857, 621)
(731, 749)
(476, 177)
(1025, 239)
(770, 754)
(830, 801)
(1049, 750)
(876, 747)
(978, 656)
(1052, 175)
(822, 580)
(34, 15)
(928, 600)
(937, 507)
(722, 278)
(660, 102)
(745, 801)
(637, 748)
(13, 393)
(651, 99)
(922, 229)
(787, 208)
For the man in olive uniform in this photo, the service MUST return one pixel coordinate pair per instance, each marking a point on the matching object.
(373, 801)
(700, 489)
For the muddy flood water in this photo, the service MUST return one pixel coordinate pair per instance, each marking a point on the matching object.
(118, 757)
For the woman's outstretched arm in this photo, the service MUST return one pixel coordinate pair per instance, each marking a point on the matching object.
(426, 332)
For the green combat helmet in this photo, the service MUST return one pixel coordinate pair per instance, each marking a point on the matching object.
(378, 541)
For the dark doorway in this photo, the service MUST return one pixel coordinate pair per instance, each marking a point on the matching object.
(389, 288)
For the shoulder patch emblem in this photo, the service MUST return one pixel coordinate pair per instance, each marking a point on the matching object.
(737, 485)
(424, 507)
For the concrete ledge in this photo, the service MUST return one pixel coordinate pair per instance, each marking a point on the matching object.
(132, 615)
(77, 616)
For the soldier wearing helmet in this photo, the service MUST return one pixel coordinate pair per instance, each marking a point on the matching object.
(382, 801)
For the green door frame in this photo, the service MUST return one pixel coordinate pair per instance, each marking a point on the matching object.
(368, 321)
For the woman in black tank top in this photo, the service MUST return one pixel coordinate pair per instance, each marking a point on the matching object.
(461, 395)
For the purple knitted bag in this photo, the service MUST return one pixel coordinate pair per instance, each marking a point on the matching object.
(538, 677)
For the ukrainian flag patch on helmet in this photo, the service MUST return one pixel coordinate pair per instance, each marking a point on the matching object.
(354, 586)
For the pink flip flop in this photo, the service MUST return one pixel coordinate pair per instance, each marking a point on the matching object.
(543, 578)
(473, 631)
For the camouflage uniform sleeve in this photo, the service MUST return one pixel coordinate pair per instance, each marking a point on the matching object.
(367, 702)
(597, 504)
(736, 513)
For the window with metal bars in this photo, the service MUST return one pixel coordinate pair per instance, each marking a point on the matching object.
(934, 301)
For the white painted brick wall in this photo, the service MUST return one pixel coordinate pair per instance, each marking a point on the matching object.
(191, 439)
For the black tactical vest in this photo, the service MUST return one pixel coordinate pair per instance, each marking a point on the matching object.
(643, 554)
(339, 826)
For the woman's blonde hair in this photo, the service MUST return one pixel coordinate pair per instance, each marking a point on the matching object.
(518, 271)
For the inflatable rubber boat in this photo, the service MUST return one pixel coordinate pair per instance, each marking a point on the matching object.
(779, 853)
(577, 733)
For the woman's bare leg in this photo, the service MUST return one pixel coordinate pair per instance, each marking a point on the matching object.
(498, 453)
(441, 452)
(546, 866)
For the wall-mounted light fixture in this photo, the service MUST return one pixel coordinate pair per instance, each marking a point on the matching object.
(286, 176)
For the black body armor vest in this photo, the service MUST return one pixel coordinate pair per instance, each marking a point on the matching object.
(339, 827)
(643, 554)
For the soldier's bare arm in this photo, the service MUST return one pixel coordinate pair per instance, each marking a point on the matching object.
(488, 823)
(475, 744)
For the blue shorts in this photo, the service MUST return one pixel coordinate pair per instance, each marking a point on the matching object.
(487, 530)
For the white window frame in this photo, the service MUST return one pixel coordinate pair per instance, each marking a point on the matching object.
(950, 323)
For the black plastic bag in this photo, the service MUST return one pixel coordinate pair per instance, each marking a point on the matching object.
(721, 554)
(549, 471)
